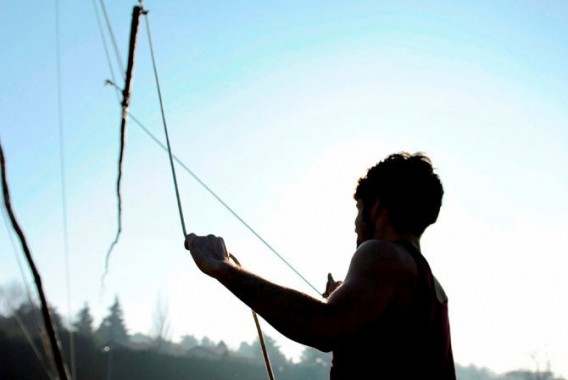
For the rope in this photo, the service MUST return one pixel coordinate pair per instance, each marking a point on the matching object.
(165, 125)
(55, 346)
(207, 188)
(222, 202)
(259, 332)
(170, 155)
(136, 12)
(63, 185)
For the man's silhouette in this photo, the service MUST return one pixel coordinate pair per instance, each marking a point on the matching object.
(389, 317)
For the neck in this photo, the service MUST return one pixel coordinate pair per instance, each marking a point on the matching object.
(387, 232)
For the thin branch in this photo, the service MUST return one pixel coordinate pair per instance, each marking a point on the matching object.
(54, 343)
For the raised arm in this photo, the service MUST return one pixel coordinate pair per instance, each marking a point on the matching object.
(377, 276)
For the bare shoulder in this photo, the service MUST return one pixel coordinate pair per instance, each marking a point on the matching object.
(382, 276)
(381, 256)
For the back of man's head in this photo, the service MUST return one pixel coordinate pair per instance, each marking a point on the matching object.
(407, 188)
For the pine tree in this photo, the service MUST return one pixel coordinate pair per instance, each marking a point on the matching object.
(188, 342)
(316, 357)
(112, 329)
(84, 323)
(277, 358)
(206, 342)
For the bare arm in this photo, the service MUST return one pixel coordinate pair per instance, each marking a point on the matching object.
(295, 314)
(375, 280)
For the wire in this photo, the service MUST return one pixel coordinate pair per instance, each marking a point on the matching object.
(173, 157)
(107, 54)
(222, 202)
(205, 186)
(170, 155)
(176, 187)
(29, 338)
(113, 40)
(63, 184)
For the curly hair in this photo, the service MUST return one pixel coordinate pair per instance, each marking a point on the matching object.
(408, 189)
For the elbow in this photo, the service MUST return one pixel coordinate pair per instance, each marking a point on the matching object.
(323, 344)
(327, 333)
(324, 348)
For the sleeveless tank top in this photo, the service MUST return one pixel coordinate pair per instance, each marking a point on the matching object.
(414, 344)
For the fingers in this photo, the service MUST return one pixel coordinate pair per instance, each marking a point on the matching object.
(331, 285)
(189, 240)
(210, 240)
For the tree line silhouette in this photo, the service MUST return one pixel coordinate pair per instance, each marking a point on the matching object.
(110, 352)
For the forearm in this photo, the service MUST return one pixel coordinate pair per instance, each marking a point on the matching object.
(295, 314)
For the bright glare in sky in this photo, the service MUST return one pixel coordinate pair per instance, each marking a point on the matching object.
(280, 108)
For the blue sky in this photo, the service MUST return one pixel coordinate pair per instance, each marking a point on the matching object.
(280, 108)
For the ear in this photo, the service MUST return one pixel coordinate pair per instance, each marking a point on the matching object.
(376, 210)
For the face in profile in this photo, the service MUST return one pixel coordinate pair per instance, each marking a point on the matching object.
(363, 227)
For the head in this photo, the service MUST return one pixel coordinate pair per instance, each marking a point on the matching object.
(404, 188)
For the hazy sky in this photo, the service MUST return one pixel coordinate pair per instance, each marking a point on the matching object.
(280, 107)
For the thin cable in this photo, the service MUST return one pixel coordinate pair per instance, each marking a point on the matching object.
(165, 125)
(207, 188)
(218, 198)
(176, 187)
(54, 343)
(63, 184)
(170, 155)
(227, 207)
(21, 269)
(105, 47)
(113, 40)
(29, 338)
(23, 327)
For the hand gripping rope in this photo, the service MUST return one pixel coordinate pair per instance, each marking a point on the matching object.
(178, 198)
(172, 157)
(168, 150)
(137, 12)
